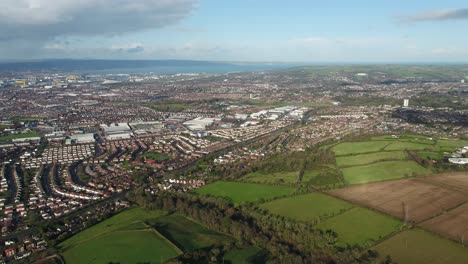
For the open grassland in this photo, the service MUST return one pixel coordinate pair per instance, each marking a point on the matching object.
(238, 192)
(133, 218)
(132, 246)
(452, 224)
(16, 136)
(272, 177)
(402, 145)
(419, 247)
(348, 148)
(360, 226)
(307, 207)
(451, 144)
(411, 199)
(387, 170)
(289, 177)
(244, 256)
(431, 155)
(363, 159)
(186, 234)
(123, 238)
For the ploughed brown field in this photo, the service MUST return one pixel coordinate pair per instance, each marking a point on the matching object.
(456, 179)
(412, 200)
(452, 224)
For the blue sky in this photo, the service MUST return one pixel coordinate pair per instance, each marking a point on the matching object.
(240, 30)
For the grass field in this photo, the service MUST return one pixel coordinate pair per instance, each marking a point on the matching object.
(387, 170)
(122, 238)
(307, 207)
(22, 135)
(289, 177)
(431, 155)
(135, 216)
(348, 148)
(186, 234)
(245, 255)
(159, 157)
(401, 145)
(417, 246)
(370, 158)
(452, 143)
(132, 246)
(238, 192)
(272, 177)
(360, 226)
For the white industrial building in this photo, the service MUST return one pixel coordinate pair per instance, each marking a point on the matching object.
(117, 131)
(199, 123)
(83, 138)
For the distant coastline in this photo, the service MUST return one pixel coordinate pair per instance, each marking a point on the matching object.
(93, 66)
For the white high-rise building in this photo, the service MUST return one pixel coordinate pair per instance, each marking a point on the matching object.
(462, 81)
(406, 102)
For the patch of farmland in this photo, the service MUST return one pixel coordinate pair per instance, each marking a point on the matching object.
(360, 226)
(410, 199)
(359, 147)
(307, 207)
(418, 246)
(453, 224)
(387, 170)
(401, 145)
(363, 159)
(455, 179)
(238, 192)
(186, 234)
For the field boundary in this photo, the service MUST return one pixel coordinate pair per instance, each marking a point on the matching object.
(156, 232)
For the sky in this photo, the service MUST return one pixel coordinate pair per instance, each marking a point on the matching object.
(238, 30)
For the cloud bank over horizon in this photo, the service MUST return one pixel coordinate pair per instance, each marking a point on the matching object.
(241, 30)
(39, 25)
(438, 15)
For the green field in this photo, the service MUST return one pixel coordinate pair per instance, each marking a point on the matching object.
(135, 216)
(186, 234)
(122, 238)
(401, 145)
(431, 155)
(360, 226)
(307, 207)
(272, 177)
(244, 256)
(132, 246)
(450, 145)
(363, 159)
(22, 135)
(159, 157)
(420, 247)
(348, 148)
(381, 171)
(289, 177)
(238, 192)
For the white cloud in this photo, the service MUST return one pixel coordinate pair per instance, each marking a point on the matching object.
(134, 47)
(47, 19)
(437, 15)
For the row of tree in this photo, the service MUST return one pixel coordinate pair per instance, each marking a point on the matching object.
(286, 240)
